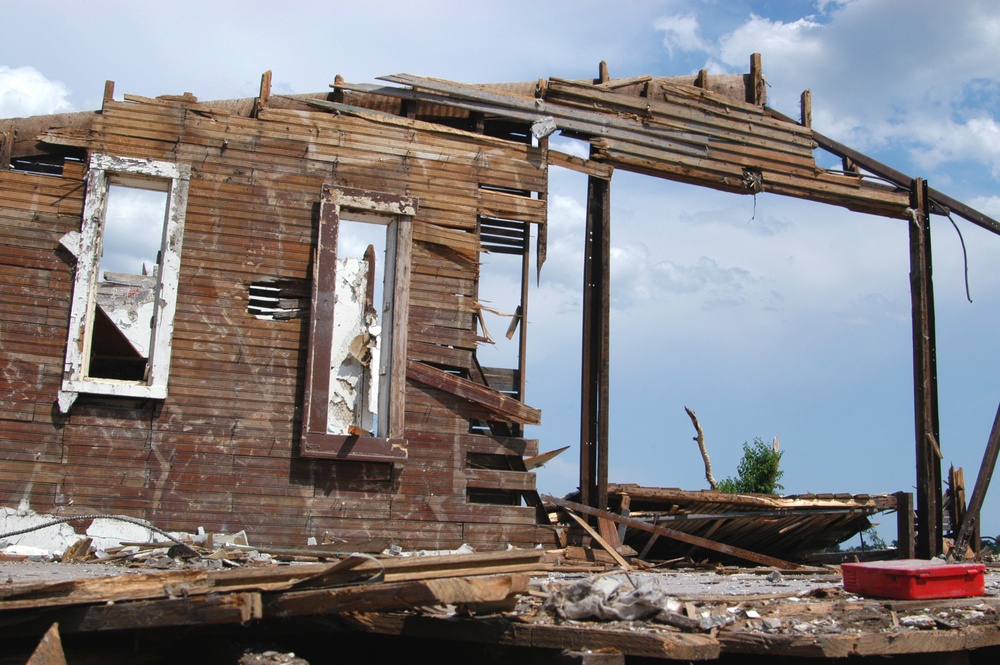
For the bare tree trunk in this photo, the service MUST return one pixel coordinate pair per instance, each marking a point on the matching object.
(701, 446)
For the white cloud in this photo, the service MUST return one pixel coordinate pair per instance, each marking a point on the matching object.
(798, 39)
(680, 31)
(24, 91)
(977, 139)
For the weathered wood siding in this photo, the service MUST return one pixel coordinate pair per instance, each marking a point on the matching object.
(222, 450)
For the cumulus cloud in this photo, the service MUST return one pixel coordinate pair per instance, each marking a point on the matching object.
(682, 32)
(799, 40)
(977, 138)
(24, 91)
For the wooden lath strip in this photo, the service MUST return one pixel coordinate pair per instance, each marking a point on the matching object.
(587, 166)
(494, 401)
(460, 241)
(504, 205)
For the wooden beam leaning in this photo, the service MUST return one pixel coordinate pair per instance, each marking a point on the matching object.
(698, 541)
(579, 164)
(484, 396)
(600, 540)
(971, 520)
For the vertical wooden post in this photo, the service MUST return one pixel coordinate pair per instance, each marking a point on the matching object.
(264, 97)
(596, 339)
(904, 525)
(756, 86)
(596, 342)
(929, 504)
(806, 108)
(109, 94)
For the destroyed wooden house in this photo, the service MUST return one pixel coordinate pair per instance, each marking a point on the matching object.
(243, 374)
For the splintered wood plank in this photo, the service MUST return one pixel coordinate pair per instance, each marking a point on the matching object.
(49, 651)
(476, 443)
(863, 644)
(658, 645)
(600, 540)
(588, 166)
(214, 609)
(494, 401)
(470, 590)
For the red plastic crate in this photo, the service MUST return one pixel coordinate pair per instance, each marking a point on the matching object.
(914, 579)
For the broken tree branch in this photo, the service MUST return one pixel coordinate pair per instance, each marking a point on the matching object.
(701, 446)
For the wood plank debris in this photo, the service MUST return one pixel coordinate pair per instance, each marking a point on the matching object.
(49, 650)
(787, 527)
(699, 541)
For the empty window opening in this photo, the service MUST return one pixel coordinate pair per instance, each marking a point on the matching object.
(128, 254)
(123, 312)
(502, 300)
(493, 497)
(357, 363)
(39, 164)
(357, 376)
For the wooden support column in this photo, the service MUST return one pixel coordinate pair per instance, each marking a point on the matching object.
(596, 343)
(929, 519)
(756, 86)
(904, 525)
(596, 338)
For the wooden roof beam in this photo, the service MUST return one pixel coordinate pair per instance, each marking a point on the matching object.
(942, 202)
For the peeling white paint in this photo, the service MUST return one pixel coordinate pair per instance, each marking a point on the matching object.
(128, 301)
(354, 356)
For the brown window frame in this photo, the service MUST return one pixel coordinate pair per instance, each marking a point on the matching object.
(395, 212)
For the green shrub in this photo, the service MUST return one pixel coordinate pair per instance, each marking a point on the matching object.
(758, 471)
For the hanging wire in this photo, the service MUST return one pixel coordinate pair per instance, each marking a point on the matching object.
(965, 256)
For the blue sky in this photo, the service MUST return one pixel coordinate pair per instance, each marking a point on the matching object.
(772, 317)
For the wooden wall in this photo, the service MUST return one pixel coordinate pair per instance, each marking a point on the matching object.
(222, 450)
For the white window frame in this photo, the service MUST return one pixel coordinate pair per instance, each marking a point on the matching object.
(105, 170)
